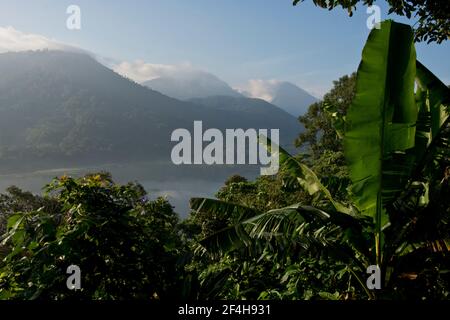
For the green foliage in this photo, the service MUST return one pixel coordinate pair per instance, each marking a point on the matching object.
(287, 235)
(381, 122)
(380, 125)
(433, 16)
(320, 130)
(15, 200)
(321, 139)
(124, 244)
(265, 193)
(306, 233)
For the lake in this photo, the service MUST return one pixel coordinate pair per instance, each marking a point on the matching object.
(177, 183)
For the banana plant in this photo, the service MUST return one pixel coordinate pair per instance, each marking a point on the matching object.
(334, 229)
(394, 129)
(383, 144)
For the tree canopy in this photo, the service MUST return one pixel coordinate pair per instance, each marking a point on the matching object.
(433, 24)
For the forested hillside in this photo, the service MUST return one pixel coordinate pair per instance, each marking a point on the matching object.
(59, 108)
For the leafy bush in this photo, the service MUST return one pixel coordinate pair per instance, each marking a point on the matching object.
(125, 245)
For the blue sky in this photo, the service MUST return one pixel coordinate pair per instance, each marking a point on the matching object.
(236, 40)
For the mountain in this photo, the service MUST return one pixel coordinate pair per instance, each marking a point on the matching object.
(292, 99)
(191, 84)
(285, 95)
(268, 115)
(65, 108)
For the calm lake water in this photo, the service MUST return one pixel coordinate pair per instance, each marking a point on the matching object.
(177, 183)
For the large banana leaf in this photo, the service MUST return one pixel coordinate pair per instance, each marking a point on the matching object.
(232, 237)
(439, 245)
(433, 101)
(235, 212)
(303, 175)
(438, 95)
(381, 120)
(278, 224)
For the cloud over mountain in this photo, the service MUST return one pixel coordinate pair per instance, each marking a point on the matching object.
(12, 40)
(141, 71)
(261, 89)
(285, 95)
(181, 81)
(62, 108)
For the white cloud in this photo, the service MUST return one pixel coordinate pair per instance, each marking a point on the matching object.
(141, 71)
(268, 89)
(15, 40)
(261, 89)
(12, 40)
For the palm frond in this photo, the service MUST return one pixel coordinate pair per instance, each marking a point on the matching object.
(304, 176)
(436, 246)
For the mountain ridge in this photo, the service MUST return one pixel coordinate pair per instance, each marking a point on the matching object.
(286, 95)
(59, 108)
(193, 84)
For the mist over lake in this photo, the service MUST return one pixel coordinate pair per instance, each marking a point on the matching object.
(176, 183)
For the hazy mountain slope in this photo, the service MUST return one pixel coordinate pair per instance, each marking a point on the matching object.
(285, 95)
(292, 99)
(193, 84)
(268, 115)
(59, 104)
(59, 107)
